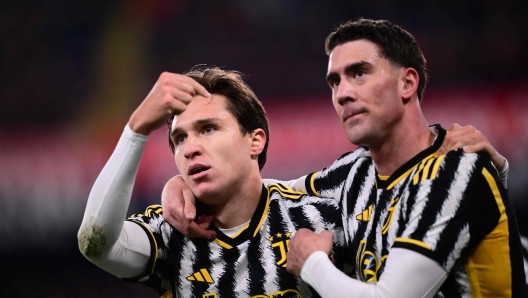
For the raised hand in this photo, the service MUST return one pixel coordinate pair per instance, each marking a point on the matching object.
(169, 96)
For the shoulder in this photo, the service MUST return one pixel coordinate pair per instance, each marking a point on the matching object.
(283, 194)
(457, 163)
(152, 220)
(349, 158)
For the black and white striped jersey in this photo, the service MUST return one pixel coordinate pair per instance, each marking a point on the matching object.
(251, 263)
(451, 208)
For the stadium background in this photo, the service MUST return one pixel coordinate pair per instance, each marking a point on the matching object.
(72, 72)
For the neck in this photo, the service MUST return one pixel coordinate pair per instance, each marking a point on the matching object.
(406, 139)
(239, 207)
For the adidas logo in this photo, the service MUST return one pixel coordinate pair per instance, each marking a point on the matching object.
(365, 215)
(201, 276)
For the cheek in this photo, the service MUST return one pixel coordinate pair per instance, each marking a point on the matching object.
(178, 160)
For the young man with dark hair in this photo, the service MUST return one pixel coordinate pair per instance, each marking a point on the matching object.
(219, 143)
(419, 221)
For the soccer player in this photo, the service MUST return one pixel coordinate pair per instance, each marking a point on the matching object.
(417, 223)
(219, 142)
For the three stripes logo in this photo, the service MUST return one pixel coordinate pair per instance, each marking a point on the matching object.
(365, 215)
(201, 276)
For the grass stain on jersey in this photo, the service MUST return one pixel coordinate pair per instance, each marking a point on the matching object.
(92, 241)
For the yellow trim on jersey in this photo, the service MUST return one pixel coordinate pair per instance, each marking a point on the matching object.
(264, 215)
(426, 169)
(286, 191)
(239, 232)
(489, 266)
(413, 241)
(423, 169)
(155, 244)
(383, 177)
(417, 174)
(436, 166)
(167, 294)
(312, 186)
(400, 178)
(222, 243)
(281, 293)
(404, 175)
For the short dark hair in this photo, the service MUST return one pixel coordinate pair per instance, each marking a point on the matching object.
(394, 43)
(241, 101)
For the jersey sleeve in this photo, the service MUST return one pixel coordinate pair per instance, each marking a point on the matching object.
(158, 232)
(463, 206)
(328, 181)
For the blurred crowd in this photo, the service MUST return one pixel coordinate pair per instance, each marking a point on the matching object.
(73, 71)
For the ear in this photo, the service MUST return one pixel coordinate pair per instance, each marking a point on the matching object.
(410, 80)
(258, 141)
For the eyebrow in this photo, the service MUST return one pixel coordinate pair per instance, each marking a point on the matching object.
(199, 122)
(349, 68)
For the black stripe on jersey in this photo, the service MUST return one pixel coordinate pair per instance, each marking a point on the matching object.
(254, 224)
(308, 184)
(203, 260)
(256, 271)
(350, 196)
(422, 250)
(174, 260)
(226, 282)
(277, 224)
(439, 190)
(416, 159)
(336, 174)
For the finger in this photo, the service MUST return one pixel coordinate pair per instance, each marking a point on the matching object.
(205, 221)
(327, 234)
(199, 89)
(173, 221)
(180, 95)
(195, 231)
(476, 148)
(189, 204)
(454, 126)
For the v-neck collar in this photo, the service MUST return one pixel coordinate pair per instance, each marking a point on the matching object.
(251, 230)
(409, 165)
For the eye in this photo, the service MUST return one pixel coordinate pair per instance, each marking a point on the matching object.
(359, 73)
(208, 129)
(333, 84)
(180, 139)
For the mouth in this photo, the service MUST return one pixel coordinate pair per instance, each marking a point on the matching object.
(348, 114)
(197, 169)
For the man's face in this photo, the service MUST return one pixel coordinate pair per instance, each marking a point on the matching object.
(365, 91)
(210, 152)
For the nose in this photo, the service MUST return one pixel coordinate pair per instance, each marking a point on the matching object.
(193, 147)
(345, 92)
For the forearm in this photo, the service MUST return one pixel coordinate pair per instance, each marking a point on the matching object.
(101, 236)
(406, 274)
